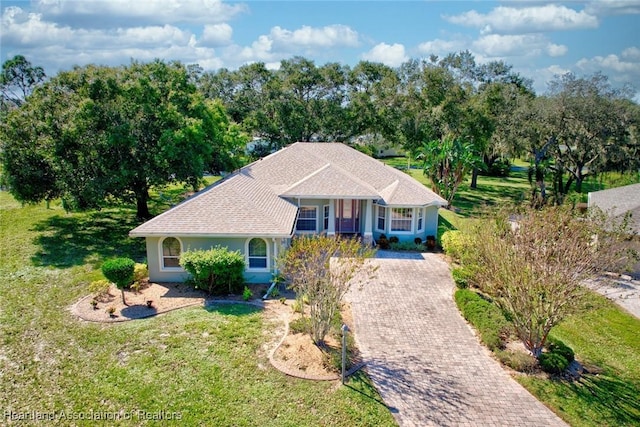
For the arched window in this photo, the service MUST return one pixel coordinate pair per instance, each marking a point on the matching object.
(171, 248)
(257, 254)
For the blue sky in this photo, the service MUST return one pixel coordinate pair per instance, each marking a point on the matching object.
(539, 38)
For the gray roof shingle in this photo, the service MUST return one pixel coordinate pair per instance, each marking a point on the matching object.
(253, 200)
(618, 201)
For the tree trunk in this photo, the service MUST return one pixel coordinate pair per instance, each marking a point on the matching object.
(123, 300)
(142, 206)
(474, 178)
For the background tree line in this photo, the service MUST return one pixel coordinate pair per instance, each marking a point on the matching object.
(96, 132)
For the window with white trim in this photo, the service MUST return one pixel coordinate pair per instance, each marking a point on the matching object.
(325, 210)
(401, 219)
(382, 218)
(171, 249)
(307, 218)
(420, 219)
(257, 254)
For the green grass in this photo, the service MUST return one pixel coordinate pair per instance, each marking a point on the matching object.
(605, 339)
(207, 364)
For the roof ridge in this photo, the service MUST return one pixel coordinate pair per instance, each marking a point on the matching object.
(306, 178)
(263, 187)
(391, 189)
(347, 173)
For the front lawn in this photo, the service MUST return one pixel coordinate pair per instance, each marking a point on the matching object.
(208, 365)
(606, 340)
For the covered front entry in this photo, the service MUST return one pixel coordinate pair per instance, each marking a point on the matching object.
(347, 216)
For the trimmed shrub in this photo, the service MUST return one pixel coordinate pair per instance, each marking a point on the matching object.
(461, 277)
(100, 287)
(456, 244)
(553, 363)
(485, 317)
(417, 241)
(140, 272)
(554, 345)
(216, 271)
(383, 242)
(119, 271)
(407, 246)
(394, 239)
(247, 294)
(516, 360)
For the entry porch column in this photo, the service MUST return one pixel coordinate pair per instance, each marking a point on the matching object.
(368, 223)
(331, 229)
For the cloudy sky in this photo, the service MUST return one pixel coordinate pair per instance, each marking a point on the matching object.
(539, 38)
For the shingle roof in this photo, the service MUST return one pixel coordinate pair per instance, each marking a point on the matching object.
(238, 205)
(253, 201)
(618, 201)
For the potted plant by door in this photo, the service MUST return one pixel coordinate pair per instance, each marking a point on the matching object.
(431, 242)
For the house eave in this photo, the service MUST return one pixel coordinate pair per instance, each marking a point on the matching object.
(411, 205)
(329, 196)
(214, 235)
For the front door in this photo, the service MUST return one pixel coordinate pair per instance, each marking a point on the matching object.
(347, 216)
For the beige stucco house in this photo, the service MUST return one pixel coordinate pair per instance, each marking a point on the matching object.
(303, 188)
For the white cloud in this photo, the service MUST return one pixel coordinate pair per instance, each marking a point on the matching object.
(281, 43)
(216, 35)
(613, 7)
(392, 55)
(57, 47)
(260, 50)
(155, 36)
(510, 20)
(308, 37)
(556, 50)
(611, 63)
(631, 54)
(29, 30)
(441, 47)
(500, 46)
(142, 12)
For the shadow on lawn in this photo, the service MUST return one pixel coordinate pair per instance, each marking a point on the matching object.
(76, 239)
(360, 383)
(610, 395)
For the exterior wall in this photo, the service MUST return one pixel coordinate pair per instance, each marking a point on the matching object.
(431, 222)
(319, 205)
(159, 274)
(430, 227)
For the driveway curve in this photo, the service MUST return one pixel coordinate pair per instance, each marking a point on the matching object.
(422, 356)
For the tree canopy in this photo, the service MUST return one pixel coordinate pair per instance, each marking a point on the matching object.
(98, 132)
(17, 80)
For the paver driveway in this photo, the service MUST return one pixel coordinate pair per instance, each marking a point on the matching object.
(424, 359)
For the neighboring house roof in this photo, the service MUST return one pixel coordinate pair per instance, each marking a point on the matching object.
(618, 201)
(252, 201)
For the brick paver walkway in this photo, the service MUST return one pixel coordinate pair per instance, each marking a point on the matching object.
(424, 359)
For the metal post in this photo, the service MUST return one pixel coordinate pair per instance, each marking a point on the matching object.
(344, 329)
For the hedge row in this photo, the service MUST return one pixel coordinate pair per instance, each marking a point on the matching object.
(488, 319)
